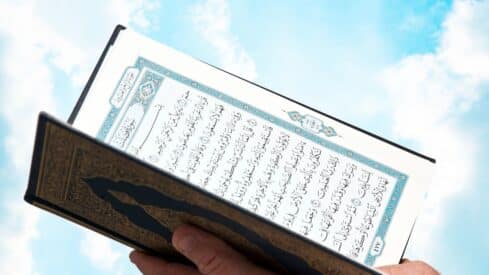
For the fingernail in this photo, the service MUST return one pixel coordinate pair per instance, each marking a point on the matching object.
(185, 244)
(133, 256)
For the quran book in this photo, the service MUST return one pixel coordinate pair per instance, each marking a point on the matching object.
(158, 139)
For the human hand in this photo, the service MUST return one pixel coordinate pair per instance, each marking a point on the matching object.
(211, 255)
(409, 268)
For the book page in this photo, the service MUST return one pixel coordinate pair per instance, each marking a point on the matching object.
(311, 175)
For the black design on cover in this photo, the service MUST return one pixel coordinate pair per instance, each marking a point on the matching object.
(144, 195)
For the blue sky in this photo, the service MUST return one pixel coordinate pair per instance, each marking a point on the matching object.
(416, 72)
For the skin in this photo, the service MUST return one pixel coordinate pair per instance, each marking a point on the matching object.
(212, 256)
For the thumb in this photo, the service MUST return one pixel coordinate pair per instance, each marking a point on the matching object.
(211, 255)
(409, 267)
(151, 265)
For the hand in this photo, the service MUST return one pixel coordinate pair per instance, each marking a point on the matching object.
(409, 268)
(211, 255)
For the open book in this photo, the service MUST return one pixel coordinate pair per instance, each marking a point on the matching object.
(159, 138)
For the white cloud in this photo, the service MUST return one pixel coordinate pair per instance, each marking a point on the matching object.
(134, 12)
(465, 43)
(429, 94)
(39, 37)
(212, 19)
(98, 249)
(17, 231)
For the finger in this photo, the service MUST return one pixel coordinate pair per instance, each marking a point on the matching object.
(409, 267)
(151, 265)
(211, 255)
(393, 270)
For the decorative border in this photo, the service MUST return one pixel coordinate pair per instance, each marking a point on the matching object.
(401, 177)
(147, 88)
(312, 124)
(116, 108)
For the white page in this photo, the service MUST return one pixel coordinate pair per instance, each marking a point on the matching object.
(333, 184)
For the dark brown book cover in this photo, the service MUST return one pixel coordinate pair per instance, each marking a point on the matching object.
(92, 184)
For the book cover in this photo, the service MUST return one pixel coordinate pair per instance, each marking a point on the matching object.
(106, 190)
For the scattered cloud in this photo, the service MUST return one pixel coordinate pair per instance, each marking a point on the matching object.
(429, 94)
(99, 251)
(465, 44)
(135, 13)
(18, 230)
(212, 19)
(423, 17)
(27, 88)
(36, 41)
